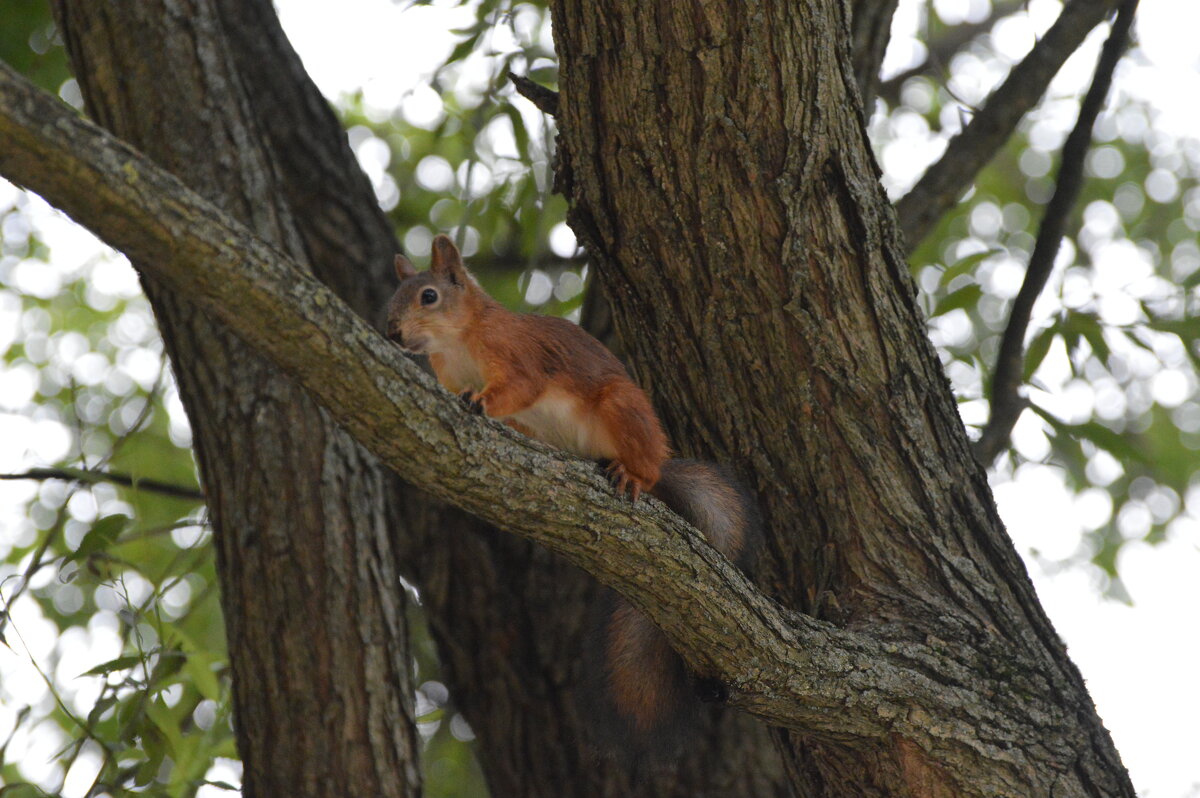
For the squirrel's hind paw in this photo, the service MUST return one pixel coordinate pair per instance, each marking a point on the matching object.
(623, 481)
(471, 400)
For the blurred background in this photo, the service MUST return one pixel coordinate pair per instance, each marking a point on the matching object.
(113, 645)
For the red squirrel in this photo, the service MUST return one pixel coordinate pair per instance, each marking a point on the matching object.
(551, 380)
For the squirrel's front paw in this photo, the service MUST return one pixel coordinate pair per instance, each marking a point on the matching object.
(472, 401)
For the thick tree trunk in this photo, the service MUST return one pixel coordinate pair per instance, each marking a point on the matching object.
(721, 179)
(316, 621)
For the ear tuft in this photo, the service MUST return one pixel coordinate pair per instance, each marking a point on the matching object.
(447, 261)
(404, 268)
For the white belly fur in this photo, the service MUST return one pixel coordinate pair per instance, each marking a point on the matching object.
(556, 419)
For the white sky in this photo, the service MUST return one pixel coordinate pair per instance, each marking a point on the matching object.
(1139, 661)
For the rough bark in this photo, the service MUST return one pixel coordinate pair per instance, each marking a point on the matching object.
(315, 620)
(754, 263)
(923, 714)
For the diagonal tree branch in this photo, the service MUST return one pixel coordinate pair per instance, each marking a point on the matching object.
(968, 152)
(788, 669)
(1006, 404)
(945, 46)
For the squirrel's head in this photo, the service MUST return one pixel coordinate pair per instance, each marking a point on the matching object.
(431, 308)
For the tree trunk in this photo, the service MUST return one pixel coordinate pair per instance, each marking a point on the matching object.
(721, 179)
(315, 620)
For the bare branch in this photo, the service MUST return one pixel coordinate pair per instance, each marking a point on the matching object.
(93, 477)
(1006, 403)
(789, 669)
(968, 152)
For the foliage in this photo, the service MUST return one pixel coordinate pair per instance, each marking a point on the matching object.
(29, 42)
(115, 644)
(1112, 367)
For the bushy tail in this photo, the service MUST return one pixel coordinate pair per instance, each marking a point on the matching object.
(647, 700)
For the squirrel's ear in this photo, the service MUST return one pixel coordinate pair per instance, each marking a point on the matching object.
(447, 262)
(404, 268)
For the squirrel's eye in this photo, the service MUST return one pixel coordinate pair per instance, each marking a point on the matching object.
(429, 296)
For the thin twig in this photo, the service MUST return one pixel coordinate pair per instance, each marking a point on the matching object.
(968, 152)
(1006, 403)
(35, 565)
(116, 478)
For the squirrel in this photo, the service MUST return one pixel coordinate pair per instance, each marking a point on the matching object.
(551, 380)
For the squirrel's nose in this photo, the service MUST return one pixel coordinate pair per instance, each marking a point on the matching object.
(395, 335)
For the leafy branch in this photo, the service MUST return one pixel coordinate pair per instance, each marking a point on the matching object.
(945, 181)
(1006, 403)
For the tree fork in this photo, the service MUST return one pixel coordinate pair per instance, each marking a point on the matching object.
(757, 278)
(944, 708)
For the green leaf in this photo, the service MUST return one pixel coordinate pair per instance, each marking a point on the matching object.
(966, 265)
(99, 709)
(1112, 442)
(170, 662)
(1038, 348)
(199, 668)
(118, 664)
(520, 134)
(965, 297)
(160, 714)
(1088, 326)
(130, 718)
(466, 46)
(102, 535)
